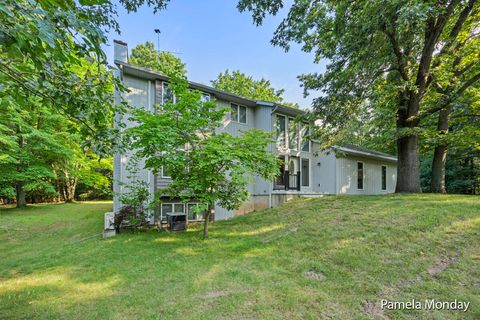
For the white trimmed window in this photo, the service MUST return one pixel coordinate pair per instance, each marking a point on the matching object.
(292, 134)
(304, 136)
(281, 130)
(165, 172)
(205, 97)
(191, 209)
(167, 93)
(238, 113)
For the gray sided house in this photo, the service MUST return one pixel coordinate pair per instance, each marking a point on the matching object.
(305, 170)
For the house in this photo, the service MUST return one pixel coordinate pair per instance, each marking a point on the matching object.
(306, 171)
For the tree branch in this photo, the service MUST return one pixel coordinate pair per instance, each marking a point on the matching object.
(41, 95)
(398, 52)
(451, 98)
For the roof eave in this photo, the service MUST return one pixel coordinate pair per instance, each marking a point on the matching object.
(151, 75)
(366, 154)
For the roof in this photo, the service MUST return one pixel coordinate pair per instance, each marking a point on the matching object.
(143, 73)
(364, 152)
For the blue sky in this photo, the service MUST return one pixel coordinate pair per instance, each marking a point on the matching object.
(212, 35)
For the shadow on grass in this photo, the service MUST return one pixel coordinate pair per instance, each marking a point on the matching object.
(360, 245)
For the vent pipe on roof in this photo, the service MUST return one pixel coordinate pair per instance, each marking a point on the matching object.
(120, 51)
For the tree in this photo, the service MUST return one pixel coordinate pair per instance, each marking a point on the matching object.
(145, 55)
(239, 83)
(454, 90)
(30, 147)
(42, 46)
(207, 166)
(377, 51)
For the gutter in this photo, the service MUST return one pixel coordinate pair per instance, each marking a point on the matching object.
(367, 154)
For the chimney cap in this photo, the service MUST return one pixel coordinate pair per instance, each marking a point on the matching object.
(120, 42)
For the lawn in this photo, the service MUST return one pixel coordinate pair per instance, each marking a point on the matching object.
(332, 257)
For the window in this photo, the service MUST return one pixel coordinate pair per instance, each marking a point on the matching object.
(205, 97)
(305, 172)
(281, 132)
(194, 212)
(384, 177)
(238, 113)
(167, 93)
(280, 179)
(242, 114)
(191, 209)
(165, 172)
(234, 112)
(292, 134)
(178, 208)
(360, 175)
(305, 141)
(166, 209)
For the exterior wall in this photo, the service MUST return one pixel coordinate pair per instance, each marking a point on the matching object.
(141, 95)
(324, 171)
(346, 171)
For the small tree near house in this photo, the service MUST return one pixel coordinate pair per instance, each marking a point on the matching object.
(204, 164)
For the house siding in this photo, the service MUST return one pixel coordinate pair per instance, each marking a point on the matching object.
(324, 171)
(141, 94)
(347, 175)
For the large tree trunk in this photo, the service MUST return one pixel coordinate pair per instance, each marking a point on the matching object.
(437, 184)
(408, 166)
(208, 215)
(70, 186)
(440, 154)
(21, 201)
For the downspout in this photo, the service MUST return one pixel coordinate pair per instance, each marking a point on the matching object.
(271, 184)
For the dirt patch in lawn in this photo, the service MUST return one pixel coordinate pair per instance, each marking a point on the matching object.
(54, 227)
(220, 293)
(441, 265)
(373, 310)
(314, 275)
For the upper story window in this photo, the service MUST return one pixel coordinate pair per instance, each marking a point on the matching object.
(305, 140)
(289, 130)
(280, 126)
(205, 97)
(167, 93)
(292, 134)
(238, 113)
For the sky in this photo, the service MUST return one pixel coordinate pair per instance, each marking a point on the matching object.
(211, 36)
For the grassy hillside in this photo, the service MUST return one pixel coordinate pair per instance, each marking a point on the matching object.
(332, 257)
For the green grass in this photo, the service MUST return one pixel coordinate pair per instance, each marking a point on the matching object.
(363, 249)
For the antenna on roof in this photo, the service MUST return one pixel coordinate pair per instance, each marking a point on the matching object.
(157, 31)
